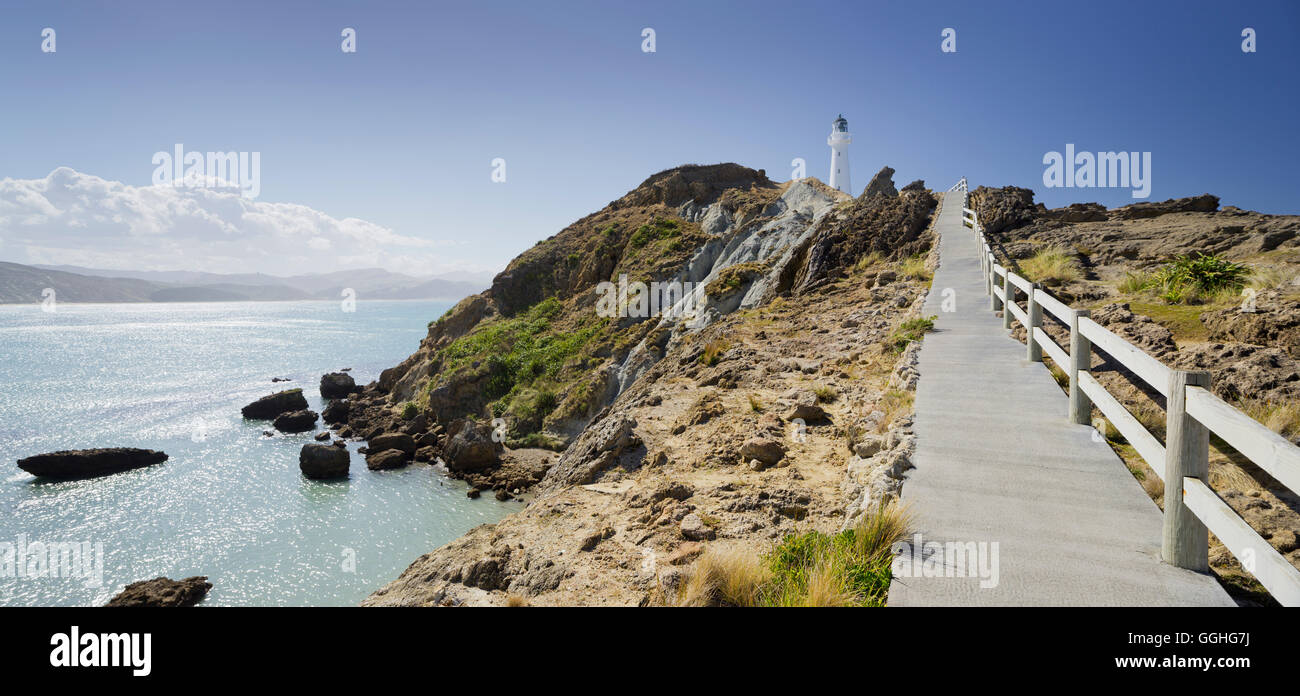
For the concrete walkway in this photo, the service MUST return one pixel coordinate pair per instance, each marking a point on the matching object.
(997, 461)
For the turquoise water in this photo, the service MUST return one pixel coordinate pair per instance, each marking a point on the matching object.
(229, 503)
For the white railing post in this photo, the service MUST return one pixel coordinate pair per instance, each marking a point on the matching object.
(1080, 361)
(1185, 541)
(997, 304)
(1034, 312)
(1009, 295)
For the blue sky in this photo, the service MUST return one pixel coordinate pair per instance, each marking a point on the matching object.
(402, 133)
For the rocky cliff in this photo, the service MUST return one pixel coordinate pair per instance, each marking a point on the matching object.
(777, 398)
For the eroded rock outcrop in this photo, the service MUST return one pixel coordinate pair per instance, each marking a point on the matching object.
(163, 592)
(268, 407)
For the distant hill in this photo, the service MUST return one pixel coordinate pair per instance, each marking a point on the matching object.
(20, 284)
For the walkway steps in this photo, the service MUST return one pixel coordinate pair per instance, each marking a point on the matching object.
(997, 461)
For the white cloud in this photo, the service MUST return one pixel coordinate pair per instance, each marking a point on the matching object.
(83, 220)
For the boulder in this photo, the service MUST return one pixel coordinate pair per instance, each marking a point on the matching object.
(1204, 203)
(387, 459)
(323, 461)
(269, 407)
(71, 464)
(808, 413)
(322, 436)
(295, 421)
(426, 454)
(337, 411)
(693, 528)
(472, 448)
(337, 385)
(163, 592)
(764, 449)
(397, 441)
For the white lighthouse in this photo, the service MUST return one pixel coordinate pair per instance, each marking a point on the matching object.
(839, 140)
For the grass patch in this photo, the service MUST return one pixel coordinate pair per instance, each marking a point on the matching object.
(657, 228)
(1184, 321)
(1191, 279)
(813, 569)
(732, 278)
(755, 404)
(914, 267)
(909, 331)
(713, 351)
(825, 393)
(869, 260)
(410, 410)
(893, 404)
(1053, 265)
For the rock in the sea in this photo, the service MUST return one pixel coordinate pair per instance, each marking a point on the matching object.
(387, 459)
(764, 449)
(337, 411)
(397, 441)
(68, 464)
(337, 385)
(322, 436)
(295, 421)
(472, 448)
(163, 592)
(269, 407)
(323, 461)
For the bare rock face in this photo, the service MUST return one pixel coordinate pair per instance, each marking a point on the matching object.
(337, 385)
(1204, 203)
(1078, 212)
(295, 421)
(1242, 371)
(471, 447)
(323, 461)
(269, 407)
(882, 184)
(163, 592)
(1141, 331)
(599, 446)
(1275, 323)
(71, 464)
(1003, 208)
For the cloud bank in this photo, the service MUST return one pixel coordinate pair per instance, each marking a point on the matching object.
(82, 220)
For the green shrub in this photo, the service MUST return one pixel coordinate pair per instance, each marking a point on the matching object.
(1192, 277)
(909, 331)
(410, 410)
(657, 228)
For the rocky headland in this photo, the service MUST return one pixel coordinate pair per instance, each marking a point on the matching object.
(778, 400)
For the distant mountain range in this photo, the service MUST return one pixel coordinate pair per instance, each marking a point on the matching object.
(20, 284)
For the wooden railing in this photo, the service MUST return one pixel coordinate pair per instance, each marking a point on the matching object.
(1192, 412)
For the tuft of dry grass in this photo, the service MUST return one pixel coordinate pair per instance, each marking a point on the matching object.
(1281, 418)
(1053, 265)
(724, 576)
(713, 351)
(851, 568)
(825, 393)
(914, 267)
(893, 404)
(755, 404)
(514, 600)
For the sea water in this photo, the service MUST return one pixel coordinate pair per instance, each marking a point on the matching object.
(229, 503)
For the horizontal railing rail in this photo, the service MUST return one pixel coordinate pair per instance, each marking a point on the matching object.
(1192, 412)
